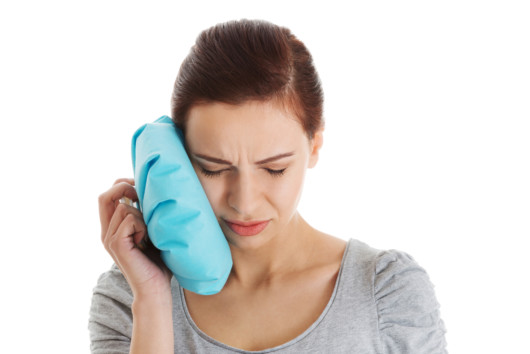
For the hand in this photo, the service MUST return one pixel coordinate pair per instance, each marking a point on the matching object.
(123, 233)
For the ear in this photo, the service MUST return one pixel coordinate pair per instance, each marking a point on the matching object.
(315, 145)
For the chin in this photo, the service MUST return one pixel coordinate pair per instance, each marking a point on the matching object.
(249, 243)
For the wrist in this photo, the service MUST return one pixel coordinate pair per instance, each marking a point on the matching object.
(157, 290)
(151, 299)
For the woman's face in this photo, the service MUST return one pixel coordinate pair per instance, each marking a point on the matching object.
(251, 161)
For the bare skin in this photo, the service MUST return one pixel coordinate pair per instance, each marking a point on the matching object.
(266, 312)
(282, 278)
(122, 229)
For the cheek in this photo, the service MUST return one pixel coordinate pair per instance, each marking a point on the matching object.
(286, 190)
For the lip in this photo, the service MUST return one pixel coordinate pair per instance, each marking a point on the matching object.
(247, 228)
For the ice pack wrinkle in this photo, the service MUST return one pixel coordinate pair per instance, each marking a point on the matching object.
(180, 221)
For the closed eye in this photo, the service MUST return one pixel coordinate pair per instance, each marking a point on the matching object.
(275, 173)
(209, 173)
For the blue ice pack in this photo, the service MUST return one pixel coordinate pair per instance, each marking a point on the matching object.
(180, 221)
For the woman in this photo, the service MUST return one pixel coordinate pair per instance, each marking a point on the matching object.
(249, 102)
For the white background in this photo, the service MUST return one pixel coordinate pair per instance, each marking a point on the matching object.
(426, 149)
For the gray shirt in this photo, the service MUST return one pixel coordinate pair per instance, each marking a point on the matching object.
(383, 302)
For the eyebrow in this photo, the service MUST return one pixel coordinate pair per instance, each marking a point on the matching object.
(261, 162)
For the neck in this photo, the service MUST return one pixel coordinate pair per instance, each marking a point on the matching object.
(286, 252)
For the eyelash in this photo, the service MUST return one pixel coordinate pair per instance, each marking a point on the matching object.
(273, 173)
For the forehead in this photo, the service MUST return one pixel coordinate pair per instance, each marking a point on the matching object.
(250, 124)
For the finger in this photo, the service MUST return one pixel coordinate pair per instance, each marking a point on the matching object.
(119, 217)
(108, 201)
(132, 233)
(127, 180)
(122, 189)
(128, 194)
(121, 244)
(141, 241)
(130, 228)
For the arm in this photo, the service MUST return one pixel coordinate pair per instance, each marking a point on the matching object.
(122, 233)
(152, 324)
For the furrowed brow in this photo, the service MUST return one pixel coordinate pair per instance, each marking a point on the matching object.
(212, 159)
(274, 158)
(261, 162)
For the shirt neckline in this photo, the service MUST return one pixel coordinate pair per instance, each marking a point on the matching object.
(297, 339)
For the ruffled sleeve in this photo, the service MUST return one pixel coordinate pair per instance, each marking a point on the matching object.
(408, 312)
(110, 321)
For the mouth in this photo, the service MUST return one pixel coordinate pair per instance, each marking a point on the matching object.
(250, 228)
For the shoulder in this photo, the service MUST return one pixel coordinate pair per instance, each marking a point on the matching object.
(396, 271)
(407, 308)
(110, 317)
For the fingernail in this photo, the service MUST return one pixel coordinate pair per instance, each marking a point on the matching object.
(125, 200)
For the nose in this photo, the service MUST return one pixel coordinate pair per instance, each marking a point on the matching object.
(243, 194)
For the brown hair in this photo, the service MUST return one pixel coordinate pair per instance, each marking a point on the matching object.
(238, 61)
